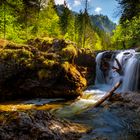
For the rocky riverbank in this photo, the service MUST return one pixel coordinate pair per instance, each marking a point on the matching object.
(38, 125)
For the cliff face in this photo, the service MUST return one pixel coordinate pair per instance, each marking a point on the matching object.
(45, 68)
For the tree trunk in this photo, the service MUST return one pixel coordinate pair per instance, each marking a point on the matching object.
(109, 94)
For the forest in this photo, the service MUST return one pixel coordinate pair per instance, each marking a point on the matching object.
(22, 20)
(69, 75)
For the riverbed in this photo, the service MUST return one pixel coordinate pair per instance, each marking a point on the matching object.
(111, 121)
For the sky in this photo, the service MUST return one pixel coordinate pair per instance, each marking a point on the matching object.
(105, 7)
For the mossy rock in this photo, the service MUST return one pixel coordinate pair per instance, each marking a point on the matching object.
(69, 53)
(57, 72)
(73, 76)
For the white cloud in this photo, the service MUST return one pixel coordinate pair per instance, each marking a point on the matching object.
(62, 2)
(59, 1)
(69, 6)
(77, 2)
(98, 10)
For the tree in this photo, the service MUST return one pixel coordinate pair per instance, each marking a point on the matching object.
(130, 35)
(3, 17)
(49, 20)
(129, 9)
(67, 22)
(8, 18)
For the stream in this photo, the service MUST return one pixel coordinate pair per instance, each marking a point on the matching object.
(113, 122)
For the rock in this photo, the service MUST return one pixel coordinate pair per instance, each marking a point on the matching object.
(33, 125)
(49, 68)
(72, 78)
(58, 81)
(69, 53)
(85, 63)
(137, 49)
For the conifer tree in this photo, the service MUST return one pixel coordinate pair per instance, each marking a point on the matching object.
(49, 20)
(67, 22)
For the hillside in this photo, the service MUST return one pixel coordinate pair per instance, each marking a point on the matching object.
(103, 23)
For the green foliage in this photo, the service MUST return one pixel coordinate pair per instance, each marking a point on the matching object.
(129, 9)
(127, 34)
(67, 23)
(7, 27)
(22, 20)
(98, 45)
(48, 24)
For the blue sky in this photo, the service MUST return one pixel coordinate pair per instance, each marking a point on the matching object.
(105, 7)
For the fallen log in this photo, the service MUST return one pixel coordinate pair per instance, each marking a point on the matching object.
(119, 69)
(109, 94)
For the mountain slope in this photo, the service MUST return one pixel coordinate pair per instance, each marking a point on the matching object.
(98, 21)
(103, 23)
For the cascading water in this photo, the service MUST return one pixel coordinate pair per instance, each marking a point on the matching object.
(124, 66)
(131, 78)
(99, 74)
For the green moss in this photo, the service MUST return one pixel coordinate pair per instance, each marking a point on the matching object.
(12, 45)
(43, 73)
(65, 66)
(86, 51)
(40, 43)
(49, 63)
(69, 52)
(48, 39)
(73, 75)
(17, 55)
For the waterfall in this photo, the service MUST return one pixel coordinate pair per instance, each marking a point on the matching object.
(125, 66)
(131, 76)
(100, 79)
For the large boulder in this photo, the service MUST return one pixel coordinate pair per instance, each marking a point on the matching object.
(58, 81)
(29, 71)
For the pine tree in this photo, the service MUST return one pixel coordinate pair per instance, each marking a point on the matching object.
(49, 20)
(129, 9)
(67, 23)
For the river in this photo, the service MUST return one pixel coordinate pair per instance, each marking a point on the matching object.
(109, 121)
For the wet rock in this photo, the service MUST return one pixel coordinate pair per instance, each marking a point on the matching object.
(35, 125)
(137, 49)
